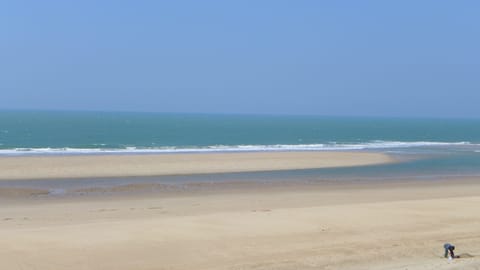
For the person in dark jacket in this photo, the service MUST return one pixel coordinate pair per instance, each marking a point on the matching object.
(449, 248)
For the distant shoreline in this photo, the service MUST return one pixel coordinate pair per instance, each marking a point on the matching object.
(127, 165)
(242, 148)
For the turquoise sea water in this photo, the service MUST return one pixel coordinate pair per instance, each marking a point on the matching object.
(429, 146)
(85, 132)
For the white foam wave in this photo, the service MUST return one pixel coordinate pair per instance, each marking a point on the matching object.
(374, 145)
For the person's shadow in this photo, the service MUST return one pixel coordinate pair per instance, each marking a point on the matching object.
(464, 255)
(461, 256)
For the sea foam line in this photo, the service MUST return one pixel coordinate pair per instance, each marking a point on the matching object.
(233, 148)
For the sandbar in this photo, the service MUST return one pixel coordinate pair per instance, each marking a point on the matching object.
(84, 166)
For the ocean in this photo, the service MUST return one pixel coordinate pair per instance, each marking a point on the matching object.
(427, 147)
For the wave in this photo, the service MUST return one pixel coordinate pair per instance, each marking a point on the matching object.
(373, 145)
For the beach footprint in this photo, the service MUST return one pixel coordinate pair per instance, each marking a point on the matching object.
(155, 208)
(107, 210)
(261, 210)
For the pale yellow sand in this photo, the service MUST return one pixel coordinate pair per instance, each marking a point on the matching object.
(174, 164)
(345, 226)
(363, 225)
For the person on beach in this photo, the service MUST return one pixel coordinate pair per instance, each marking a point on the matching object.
(449, 249)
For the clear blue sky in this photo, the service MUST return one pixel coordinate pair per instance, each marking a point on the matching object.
(376, 58)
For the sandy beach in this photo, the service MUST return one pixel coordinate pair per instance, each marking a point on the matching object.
(349, 225)
(239, 135)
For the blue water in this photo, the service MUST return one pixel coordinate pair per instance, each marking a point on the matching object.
(91, 132)
(428, 147)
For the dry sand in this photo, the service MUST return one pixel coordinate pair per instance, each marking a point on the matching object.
(349, 226)
(356, 225)
(48, 167)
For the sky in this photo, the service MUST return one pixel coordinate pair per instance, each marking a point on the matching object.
(346, 58)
